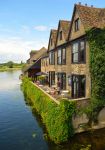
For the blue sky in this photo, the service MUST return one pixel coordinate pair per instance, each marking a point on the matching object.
(26, 24)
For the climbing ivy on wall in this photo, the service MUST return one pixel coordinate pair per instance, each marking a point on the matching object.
(96, 39)
(57, 118)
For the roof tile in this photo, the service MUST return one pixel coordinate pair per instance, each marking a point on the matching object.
(91, 17)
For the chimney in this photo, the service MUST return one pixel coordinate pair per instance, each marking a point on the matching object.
(79, 3)
(85, 4)
(92, 6)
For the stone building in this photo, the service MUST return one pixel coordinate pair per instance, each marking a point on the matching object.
(34, 62)
(35, 54)
(68, 50)
(45, 63)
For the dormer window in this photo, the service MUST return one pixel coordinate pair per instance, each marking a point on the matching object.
(77, 24)
(60, 35)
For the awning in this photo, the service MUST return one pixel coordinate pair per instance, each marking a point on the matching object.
(41, 73)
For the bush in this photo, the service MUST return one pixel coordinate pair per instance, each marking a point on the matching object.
(10, 64)
(57, 118)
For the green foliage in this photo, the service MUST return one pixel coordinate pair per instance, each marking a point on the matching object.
(57, 118)
(88, 147)
(41, 77)
(10, 64)
(96, 39)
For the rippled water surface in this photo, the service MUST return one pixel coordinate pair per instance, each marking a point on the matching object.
(20, 129)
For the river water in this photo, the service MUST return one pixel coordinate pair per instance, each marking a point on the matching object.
(22, 129)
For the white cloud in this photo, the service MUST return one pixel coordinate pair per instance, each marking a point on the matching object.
(41, 28)
(17, 49)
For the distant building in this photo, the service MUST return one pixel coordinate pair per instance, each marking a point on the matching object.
(34, 62)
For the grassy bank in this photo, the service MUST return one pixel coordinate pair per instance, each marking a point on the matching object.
(11, 66)
(57, 118)
(9, 69)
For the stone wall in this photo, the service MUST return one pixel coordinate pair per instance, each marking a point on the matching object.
(81, 121)
(60, 42)
(45, 64)
(80, 32)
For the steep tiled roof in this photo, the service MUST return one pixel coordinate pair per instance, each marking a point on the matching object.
(39, 53)
(29, 66)
(44, 55)
(91, 17)
(65, 27)
(53, 34)
(33, 51)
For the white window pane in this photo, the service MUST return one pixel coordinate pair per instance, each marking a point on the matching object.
(75, 57)
(82, 45)
(75, 47)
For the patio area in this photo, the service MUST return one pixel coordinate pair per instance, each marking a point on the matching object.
(53, 91)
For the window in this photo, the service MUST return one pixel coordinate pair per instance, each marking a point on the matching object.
(75, 53)
(60, 35)
(51, 58)
(77, 22)
(62, 80)
(52, 78)
(61, 56)
(82, 51)
(78, 86)
(79, 51)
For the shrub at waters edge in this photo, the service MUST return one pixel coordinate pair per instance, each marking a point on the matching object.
(57, 118)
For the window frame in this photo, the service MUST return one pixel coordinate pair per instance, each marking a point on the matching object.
(52, 60)
(79, 92)
(59, 57)
(77, 25)
(62, 62)
(62, 76)
(51, 78)
(80, 61)
(60, 35)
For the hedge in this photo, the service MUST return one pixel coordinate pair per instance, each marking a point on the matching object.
(57, 118)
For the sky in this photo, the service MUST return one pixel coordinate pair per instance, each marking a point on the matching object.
(25, 24)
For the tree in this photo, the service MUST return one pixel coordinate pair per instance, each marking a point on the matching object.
(10, 64)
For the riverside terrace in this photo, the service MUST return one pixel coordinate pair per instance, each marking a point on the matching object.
(54, 92)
